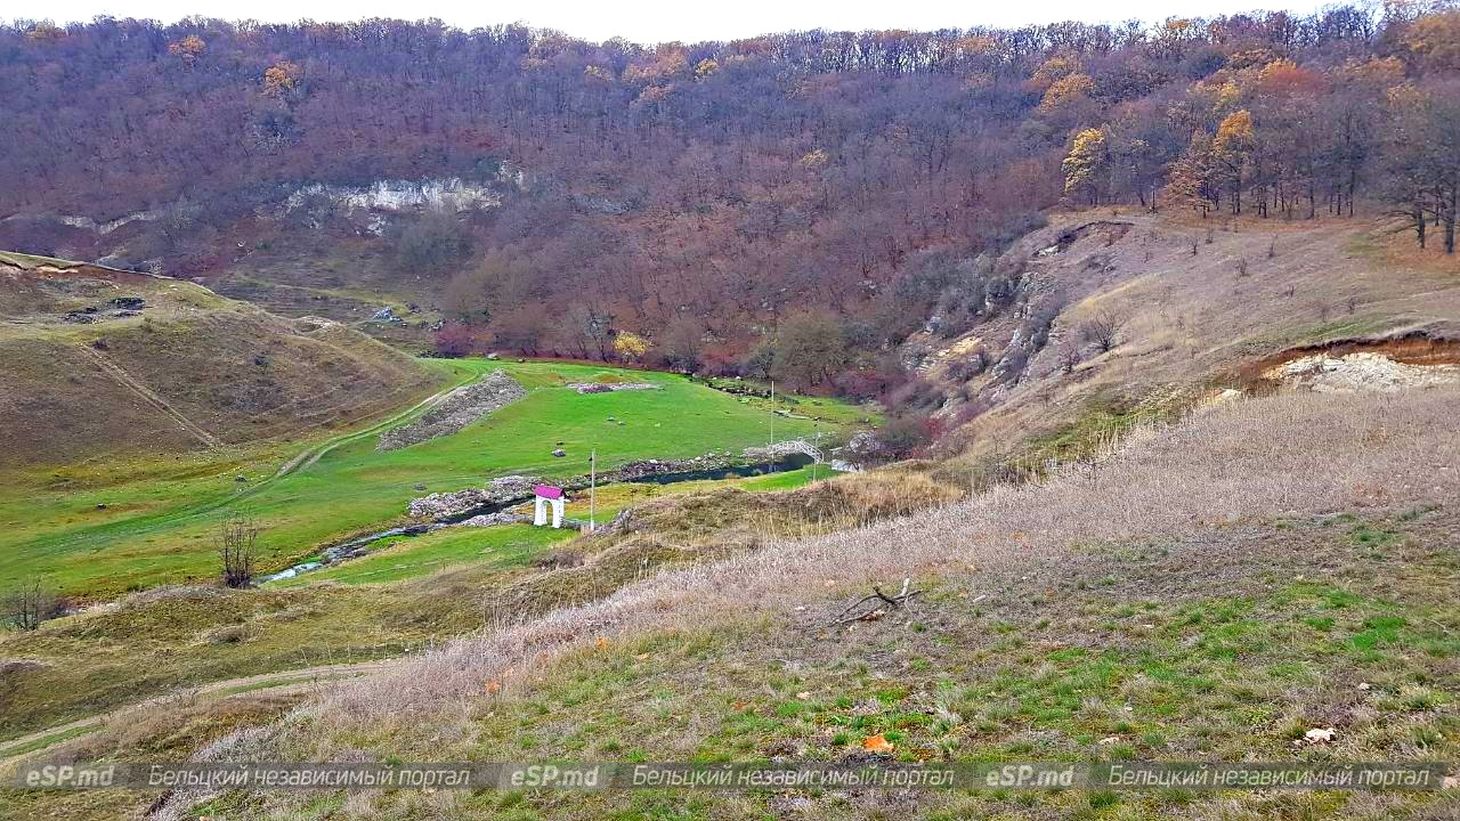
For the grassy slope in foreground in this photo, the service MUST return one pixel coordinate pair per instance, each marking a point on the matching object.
(159, 529)
(1192, 597)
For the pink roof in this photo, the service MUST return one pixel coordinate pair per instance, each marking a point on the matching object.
(548, 491)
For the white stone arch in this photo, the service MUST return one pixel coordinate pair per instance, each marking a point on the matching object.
(545, 499)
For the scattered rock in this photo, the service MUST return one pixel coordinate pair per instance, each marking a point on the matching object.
(863, 447)
(610, 387)
(500, 491)
(499, 518)
(1320, 735)
(129, 303)
(457, 410)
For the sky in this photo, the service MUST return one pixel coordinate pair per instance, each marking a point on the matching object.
(657, 20)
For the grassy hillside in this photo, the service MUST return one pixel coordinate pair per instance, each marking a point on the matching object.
(1194, 304)
(1211, 592)
(1202, 575)
(103, 366)
(158, 526)
(408, 594)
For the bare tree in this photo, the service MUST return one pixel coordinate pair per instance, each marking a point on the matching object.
(29, 604)
(1101, 330)
(1069, 358)
(237, 537)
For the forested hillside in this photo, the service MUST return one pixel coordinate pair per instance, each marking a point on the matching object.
(794, 203)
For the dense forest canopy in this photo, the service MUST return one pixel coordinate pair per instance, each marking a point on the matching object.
(795, 202)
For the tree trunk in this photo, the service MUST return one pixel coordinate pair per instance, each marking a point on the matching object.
(1449, 210)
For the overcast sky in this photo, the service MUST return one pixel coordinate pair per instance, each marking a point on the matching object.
(656, 20)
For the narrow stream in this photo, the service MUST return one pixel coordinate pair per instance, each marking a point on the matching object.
(343, 550)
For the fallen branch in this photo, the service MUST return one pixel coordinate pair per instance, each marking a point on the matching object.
(847, 615)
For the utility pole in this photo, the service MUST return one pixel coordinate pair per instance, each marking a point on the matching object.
(592, 489)
(770, 452)
(815, 443)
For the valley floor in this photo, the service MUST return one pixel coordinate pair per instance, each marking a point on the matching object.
(101, 531)
(1171, 550)
(1211, 591)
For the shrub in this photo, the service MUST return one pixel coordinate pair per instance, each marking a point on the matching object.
(237, 539)
(1069, 357)
(454, 340)
(29, 604)
(1101, 330)
(908, 434)
(559, 557)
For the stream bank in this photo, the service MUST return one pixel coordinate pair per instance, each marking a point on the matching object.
(489, 505)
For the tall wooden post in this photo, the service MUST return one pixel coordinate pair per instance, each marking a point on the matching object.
(770, 453)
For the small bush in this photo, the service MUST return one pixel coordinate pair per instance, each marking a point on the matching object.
(236, 540)
(1069, 358)
(907, 434)
(560, 557)
(1101, 330)
(29, 604)
(454, 341)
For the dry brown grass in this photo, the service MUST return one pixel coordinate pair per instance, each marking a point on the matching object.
(680, 530)
(1281, 455)
(1189, 321)
(118, 386)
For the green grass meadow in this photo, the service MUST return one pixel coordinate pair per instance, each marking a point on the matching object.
(404, 557)
(159, 516)
(502, 547)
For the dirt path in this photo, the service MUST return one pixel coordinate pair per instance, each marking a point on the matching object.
(300, 461)
(147, 395)
(15, 750)
(313, 454)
